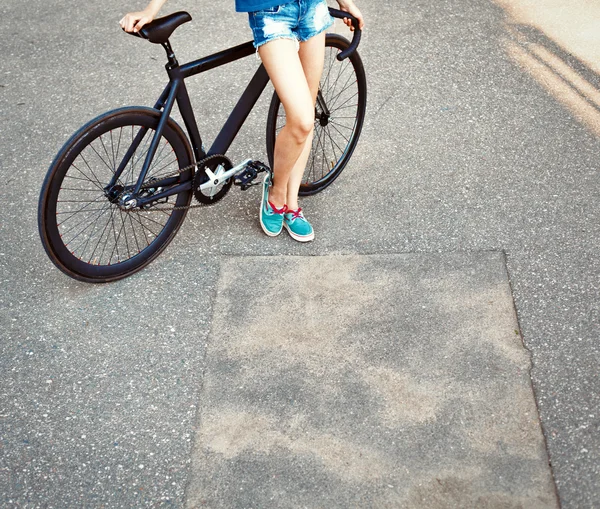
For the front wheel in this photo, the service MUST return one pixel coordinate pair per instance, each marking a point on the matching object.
(84, 227)
(339, 117)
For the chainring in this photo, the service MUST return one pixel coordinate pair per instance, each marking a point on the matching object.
(217, 164)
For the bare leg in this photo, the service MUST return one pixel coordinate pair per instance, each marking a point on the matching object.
(283, 64)
(312, 55)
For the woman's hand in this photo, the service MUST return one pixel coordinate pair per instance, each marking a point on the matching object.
(134, 21)
(348, 6)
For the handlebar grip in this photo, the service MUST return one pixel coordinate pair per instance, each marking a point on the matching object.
(336, 13)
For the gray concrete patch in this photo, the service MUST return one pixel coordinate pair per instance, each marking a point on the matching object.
(367, 381)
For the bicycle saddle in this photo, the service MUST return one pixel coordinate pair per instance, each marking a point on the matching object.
(159, 30)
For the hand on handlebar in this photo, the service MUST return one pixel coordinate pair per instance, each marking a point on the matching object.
(349, 7)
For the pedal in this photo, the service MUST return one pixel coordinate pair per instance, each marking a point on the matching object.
(245, 179)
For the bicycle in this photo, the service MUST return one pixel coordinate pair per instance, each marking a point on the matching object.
(119, 189)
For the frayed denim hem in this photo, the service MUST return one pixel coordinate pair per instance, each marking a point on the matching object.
(274, 38)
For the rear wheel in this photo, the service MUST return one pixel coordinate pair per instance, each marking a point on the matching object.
(339, 117)
(85, 229)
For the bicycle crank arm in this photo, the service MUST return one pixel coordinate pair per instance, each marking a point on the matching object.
(214, 179)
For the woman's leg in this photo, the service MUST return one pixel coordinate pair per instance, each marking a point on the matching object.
(286, 70)
(312, 56)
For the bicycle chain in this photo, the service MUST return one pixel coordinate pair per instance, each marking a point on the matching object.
(172, 174)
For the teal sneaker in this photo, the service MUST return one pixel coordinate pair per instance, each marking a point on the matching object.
(297, 225)
(271, 218)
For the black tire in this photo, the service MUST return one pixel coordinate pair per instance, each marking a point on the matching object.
(344, 90)
(84, 232)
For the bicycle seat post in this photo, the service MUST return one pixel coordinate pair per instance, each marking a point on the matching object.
(170, 55)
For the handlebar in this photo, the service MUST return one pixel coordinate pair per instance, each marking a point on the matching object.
(336, 13)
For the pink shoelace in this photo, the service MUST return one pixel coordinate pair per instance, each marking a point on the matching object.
(296, 213)
(282, 210)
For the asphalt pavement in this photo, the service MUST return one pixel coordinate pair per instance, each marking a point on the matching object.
(481, 137)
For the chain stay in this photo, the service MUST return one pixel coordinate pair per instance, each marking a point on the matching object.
(253, 168)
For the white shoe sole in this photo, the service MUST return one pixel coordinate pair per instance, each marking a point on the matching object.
(299, 238)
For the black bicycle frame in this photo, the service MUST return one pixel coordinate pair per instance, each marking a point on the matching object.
(176, 91)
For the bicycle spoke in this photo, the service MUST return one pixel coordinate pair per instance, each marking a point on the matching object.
(91, 145)
(91, 170)
(95, 222)
(323, 160)
(73, 201)
(162, 167)
(88, 202)
(138, 153)
(83, 208)
(146, 227)
(348, 99)
(143, 229)
(116, 246)
(64, 232)
(99, 240)
(90, 225)
(107, 230)
(134, 235)
(158, 159)
(125, 236)
(85, 246)
(317, 153)
(155, 160)
(112, 150)
(152, 220)
(313, 153)
(77, 178)
(334, 124)
(333, 100)
(147, 141)
(332, 60)
(106, 151)
(118, 146)
(97, 183)
(332, 145)
(76, 212)
(347, 140)
(355, 106)
(332, 88)
(127, 175)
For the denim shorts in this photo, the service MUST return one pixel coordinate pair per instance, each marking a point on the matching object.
(298, 20)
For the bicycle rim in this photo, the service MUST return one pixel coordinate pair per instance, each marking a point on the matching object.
(85, 231)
